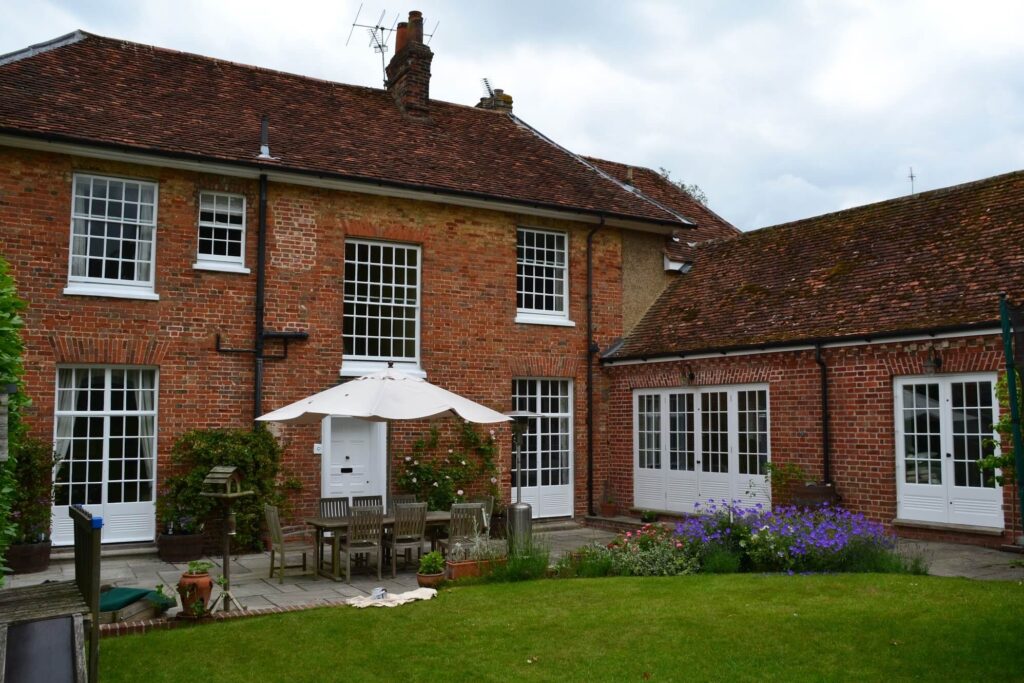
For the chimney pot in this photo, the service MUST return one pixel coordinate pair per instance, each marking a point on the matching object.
(401, 36)
(416, 26)
(498, 101)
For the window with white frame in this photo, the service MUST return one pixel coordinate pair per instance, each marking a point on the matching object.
(382, 301)
(104, 435)
(542, 275)
(546, 456)
(113, 234)
(221, 231)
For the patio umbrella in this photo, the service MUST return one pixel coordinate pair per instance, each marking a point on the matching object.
(384, 396)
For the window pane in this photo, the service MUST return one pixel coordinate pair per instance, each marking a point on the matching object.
(380, 317)
(541, 272)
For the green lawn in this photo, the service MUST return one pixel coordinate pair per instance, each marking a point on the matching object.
(735, 627)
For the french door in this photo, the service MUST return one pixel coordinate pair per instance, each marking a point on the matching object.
(943, 427)
(105, 446)
(545, 466)
(695, 445)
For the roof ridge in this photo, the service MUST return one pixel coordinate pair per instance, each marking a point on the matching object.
(892, 200)
(707, 208)
(621, 185)
(45, 46)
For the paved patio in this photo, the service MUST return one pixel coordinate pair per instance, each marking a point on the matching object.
(253, 588)
(250, 582)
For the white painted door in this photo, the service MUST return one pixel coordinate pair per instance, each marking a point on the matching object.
(943, 426)
(354, 460)
(693, 445)
(546, 462)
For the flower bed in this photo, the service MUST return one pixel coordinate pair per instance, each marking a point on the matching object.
(731, 538)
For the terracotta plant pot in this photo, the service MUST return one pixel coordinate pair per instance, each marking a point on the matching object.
(178, 548)
(471, 568)
(609, 509)
(28, 558)
(430, 580)
(195, 589)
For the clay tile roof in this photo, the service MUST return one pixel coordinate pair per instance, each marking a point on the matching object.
(102, 91)
(932, 261)
(708, 224)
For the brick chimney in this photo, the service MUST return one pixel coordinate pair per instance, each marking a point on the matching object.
(499, 101)
(409, 70)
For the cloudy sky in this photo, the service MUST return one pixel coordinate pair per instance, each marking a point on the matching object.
(777, 110)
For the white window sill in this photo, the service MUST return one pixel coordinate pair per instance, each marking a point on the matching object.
(358, 368)
(221, 267)
(84, 289)
(533, 319)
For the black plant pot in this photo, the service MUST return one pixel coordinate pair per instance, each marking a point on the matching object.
(28, 558)
(177, 548)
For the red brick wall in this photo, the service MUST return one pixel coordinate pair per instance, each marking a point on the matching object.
(469, 341)
(862, 414)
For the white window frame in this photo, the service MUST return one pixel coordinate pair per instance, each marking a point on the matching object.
(355, 364)
(535, 316)
(84, 285)
(220, 263)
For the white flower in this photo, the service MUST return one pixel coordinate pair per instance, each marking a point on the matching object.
(414, 480)
(459, 492)
(435, 483)
(492, 433)
(408, 458)
(415, 462)
(450, 450)
(463, 463)
(494, 480)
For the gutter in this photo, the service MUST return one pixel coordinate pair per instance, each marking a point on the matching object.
(826, 441)
(362, 184)
(592, 350)
(809, 343)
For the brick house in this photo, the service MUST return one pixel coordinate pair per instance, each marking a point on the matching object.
(201, 241)
(861, 345)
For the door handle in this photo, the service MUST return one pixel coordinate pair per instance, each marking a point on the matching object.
(949, 455)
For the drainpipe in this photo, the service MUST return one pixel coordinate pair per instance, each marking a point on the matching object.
(261, 276)
(592, 348)
(826, 450)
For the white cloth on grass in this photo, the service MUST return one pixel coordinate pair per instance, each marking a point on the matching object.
(393, 600)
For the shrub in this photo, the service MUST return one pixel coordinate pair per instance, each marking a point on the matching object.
(256, 454)
(31, 502)
(11, 351)
(530, 561)
(653, 550)
(441, 478)
(590, 561)
(432, 563)
(719, 559)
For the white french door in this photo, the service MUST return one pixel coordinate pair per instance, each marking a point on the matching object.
(695, 445)
(545, 464)
(943, 426)
(105, 446)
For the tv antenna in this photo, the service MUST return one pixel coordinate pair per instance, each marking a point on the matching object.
(911, 176)
(487, 87)
(380, 34)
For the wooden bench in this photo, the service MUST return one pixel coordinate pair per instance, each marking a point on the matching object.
(44, 629)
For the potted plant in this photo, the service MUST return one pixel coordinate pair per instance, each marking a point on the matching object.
(474, 558)
(180, 511)
(609, 508)
(195, 587)
(31, 506)
(431, 573)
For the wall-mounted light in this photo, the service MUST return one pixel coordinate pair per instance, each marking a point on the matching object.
(688, 375)
(933, 363)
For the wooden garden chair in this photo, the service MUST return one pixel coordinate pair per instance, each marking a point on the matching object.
(408, 533)
(367, 501)
(464, 525)
(330, 508)
(488, 509)
(365, 537)
(284, 540)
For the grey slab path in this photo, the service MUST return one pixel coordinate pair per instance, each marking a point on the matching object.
(253, 587)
